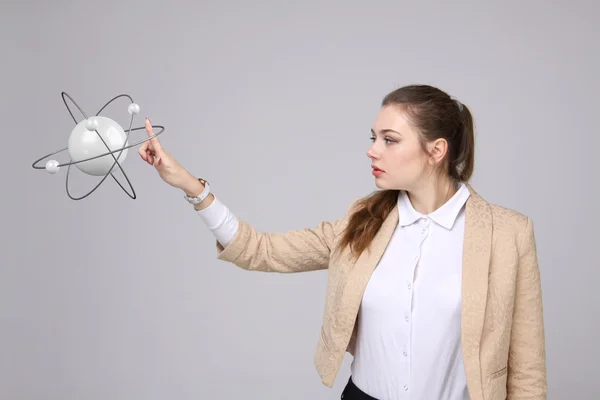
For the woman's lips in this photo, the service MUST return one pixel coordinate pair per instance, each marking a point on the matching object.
(377, 171)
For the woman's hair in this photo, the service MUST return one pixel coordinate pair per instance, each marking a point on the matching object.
(434, 115)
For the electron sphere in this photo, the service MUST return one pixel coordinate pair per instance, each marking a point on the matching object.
(91, 124)
(52, 166)
(133, 109)
(97, 146)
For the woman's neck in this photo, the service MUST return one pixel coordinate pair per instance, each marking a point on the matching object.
(432, 195)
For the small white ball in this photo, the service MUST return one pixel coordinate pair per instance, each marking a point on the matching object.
(52, 166)
(91, 124)
(133, 108)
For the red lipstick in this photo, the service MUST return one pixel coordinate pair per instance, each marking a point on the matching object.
(376, 170)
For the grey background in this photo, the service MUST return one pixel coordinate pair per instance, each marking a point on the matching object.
(111, 298)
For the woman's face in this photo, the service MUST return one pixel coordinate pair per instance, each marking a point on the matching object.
(398, 159)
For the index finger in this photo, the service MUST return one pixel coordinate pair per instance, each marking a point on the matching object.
(154, 140)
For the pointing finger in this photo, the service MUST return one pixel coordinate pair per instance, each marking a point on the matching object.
(155, 143)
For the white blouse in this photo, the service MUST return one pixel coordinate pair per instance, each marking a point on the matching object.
(409, 338)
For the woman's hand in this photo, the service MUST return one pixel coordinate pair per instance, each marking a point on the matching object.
(168, 168)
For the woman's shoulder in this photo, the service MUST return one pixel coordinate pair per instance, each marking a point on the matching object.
(509, 221)
(503, 217)
(507, 215)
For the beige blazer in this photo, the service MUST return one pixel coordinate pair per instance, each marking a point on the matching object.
(502, 323)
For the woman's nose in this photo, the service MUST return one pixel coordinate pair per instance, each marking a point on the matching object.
(371, 154)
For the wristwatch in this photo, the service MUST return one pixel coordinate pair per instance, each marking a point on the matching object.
(197, 199)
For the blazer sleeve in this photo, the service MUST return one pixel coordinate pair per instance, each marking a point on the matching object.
(527, 355)
(299, 250)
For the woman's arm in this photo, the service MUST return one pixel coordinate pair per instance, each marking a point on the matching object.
(299, 250)
(239, 243)
(295, 251)
(527, 355)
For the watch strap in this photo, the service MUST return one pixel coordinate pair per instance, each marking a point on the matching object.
(198, 199)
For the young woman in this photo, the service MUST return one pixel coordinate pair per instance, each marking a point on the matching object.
(434, 291)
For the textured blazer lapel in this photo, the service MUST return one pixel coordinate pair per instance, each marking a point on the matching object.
(360, 273)
(345, 298)
(476, 261)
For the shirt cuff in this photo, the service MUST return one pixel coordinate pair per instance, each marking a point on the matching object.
(220, 220)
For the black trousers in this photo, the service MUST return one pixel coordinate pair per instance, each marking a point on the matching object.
(352, 392)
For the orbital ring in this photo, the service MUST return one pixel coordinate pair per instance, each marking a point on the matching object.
(162, 128)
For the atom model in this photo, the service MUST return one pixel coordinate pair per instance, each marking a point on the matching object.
(93, 144)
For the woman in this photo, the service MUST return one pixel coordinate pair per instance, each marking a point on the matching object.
(435, 292)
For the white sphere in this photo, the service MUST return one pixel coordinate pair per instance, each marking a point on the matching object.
(84, 144)
(52, 166)
(133, 108)
(91, 124)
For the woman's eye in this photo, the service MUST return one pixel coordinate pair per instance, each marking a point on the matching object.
(387, 140)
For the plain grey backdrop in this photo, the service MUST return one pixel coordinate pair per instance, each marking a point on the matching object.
(114, 298)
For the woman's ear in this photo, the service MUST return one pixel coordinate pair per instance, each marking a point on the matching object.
(437, 149)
